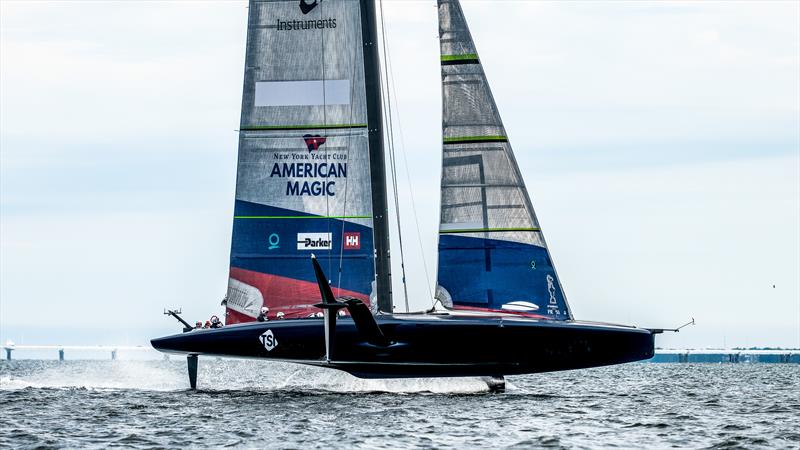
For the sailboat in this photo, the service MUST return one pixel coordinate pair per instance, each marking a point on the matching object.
(310, 244)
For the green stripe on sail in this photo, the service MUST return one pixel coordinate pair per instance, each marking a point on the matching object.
(465, 57)
(303, 127)
(301, 217)
(463, 139)
(487, 230)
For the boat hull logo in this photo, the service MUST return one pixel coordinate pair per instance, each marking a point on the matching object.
(306, 7)
(314, 241)
(268, 340)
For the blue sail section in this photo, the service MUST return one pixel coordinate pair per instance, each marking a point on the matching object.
(273, 241)
(491, 274)
(271, 266)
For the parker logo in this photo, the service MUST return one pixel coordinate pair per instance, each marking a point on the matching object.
(352, 241)
(314, 241)
(306, 7)
(268, 340)
(314, 142)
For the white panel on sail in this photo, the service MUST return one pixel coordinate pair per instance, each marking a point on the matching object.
(302, 93)
(460, 226)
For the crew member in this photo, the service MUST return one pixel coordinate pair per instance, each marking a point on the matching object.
(262, 316)
(280, 315)
(198, 325)
(207, 325)
(215, 322)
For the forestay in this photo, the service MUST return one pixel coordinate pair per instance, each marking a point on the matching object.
(492, 254)
(303, 172)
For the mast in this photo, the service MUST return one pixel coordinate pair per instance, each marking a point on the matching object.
(380, 210)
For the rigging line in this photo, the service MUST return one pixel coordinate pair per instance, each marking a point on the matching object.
(410, 186)
(349, 138)
(325, 122)
(393, 164)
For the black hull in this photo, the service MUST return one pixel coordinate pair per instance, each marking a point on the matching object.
(429, 345)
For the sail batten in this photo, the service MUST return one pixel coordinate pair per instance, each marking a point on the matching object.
(474, 139)
(302, 127)
(492, 253)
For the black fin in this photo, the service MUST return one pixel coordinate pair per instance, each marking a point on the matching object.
(365, 322)
(359, 311)
(191, 361)
(324, 287)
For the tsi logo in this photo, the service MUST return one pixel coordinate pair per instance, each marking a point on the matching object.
(314, 241)
(268, 340)
(352, 241)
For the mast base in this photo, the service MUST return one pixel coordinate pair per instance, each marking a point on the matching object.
(191, 364)
(496, 384)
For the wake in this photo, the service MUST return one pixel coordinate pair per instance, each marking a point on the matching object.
(219, 375)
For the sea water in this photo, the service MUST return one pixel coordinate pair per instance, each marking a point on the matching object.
(147, 404)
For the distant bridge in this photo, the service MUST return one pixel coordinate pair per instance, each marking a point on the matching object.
(791, 356)
(111, 350)
(726, 356)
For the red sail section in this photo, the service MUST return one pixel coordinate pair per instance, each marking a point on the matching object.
(287, 295)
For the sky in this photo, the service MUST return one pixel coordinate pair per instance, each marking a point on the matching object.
(660, 143)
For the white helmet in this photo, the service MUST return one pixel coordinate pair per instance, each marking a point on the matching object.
(264, 310)
(280, 315)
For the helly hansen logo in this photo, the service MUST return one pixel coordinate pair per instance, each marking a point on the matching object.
(314, 241)
(352, 241)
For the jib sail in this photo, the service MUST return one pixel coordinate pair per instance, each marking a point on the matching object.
(303, 181)
(492, 254)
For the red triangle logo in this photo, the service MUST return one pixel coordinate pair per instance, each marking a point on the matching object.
(314, 142)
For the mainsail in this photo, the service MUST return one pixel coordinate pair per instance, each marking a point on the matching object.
(303, 181)
(492, 254)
